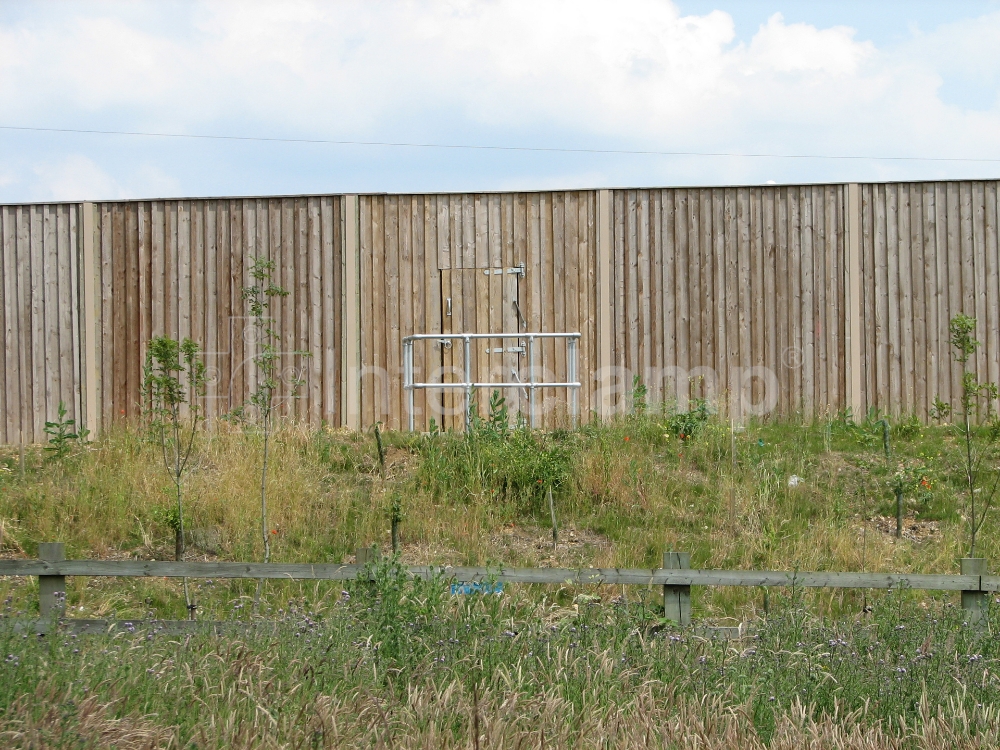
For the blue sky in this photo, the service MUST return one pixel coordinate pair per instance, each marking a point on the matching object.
(784, 77)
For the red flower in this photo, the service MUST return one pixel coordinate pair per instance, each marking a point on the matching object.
(626, 438)
(274, 531)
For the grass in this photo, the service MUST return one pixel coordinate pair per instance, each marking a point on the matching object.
(624, 493)
(399, 663)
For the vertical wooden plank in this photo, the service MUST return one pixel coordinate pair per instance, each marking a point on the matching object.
(223, 259)
(681, 279)
(120, 311)
(605, 304)
(393, 233)
(11, 393)
(896, 387)
(657, 297)
(618, 211)
(556, 363)
(131, 367)
(730, 240)
(50, 308)
(669, 292)
(757, 319)
(66, 332)
(820, 274)
(868, 293)
(854, 303)
(407, 293)
(921, 313)
(781, 300)
(977, 190)
(807, 313)
(380, 318)
(502, 250)
(631, 342)
(757, 291)
(299, 406)
(707, 291)
(991, 327)
(440, 402)
(421, 254)
(146, 289)
(795, 354)
(694, 269)
(903, 251)
(641, 293)
(25, 302)
(882, 303)
(718, 250)
(770, 323)
(937, 233)
(332, 340)
(366, 242)
(313, 305)
(955, 273)
(571, 287)
(834, 299)
(241, 384)
(588, 310)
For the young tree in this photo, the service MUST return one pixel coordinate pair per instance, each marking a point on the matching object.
(174, 376)
(258, 297)
(977, 442)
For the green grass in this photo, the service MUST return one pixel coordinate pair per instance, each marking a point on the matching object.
(400, 663)
(629, 490)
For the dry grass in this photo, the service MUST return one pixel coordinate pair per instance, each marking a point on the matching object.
(633, 490)
(452, 716)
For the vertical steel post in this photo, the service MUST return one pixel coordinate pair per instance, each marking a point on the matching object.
(573, 391)
(531, 379)
(468, 380)
(408, 376)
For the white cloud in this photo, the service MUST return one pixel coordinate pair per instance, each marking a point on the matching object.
(583, 72)
(73, 178)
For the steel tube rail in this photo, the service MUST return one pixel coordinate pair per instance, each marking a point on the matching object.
(468, 385)
(457, 336)
(507, 384)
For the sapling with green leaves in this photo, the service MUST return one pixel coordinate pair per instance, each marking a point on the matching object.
(173, 385)
(978, 436)
(63, 434)
(267, 359)
(174, 378)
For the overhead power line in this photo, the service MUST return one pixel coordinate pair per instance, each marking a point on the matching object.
(481, 147)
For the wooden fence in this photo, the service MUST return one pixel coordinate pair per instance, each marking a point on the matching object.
(675, 577)
(784, 299)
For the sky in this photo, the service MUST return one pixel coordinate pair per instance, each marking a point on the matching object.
(563, 86)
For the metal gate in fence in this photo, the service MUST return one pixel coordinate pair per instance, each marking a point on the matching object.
(525, 380)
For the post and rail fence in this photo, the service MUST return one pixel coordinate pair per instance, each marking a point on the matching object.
(676, 577)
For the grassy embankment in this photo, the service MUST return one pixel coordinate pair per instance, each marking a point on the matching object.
(624, 492)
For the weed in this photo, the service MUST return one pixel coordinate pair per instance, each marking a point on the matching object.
(63, 434)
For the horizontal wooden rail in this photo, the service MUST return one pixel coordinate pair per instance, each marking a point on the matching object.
(611, 576)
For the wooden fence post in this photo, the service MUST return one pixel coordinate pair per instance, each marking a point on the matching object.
(365, 555)
(677, 599)
(975, 602)
(52, 589)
